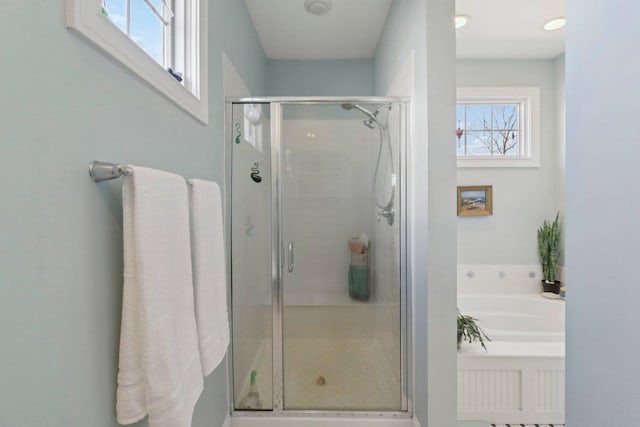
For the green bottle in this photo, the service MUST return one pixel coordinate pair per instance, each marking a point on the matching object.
(252, 400)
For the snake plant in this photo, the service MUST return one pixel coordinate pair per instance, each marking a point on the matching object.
(549, 246)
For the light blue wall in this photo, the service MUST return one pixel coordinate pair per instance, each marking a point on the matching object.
(320, 77)
(241, 44)
(63, 104)
(522, 197)
(561, 144)
(425, 28)
(603, 237)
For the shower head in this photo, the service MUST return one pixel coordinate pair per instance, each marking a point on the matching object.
(349, 107)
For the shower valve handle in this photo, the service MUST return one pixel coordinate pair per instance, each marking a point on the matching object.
(387, 213)
(290, 257)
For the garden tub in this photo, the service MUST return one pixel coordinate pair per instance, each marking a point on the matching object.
(519, 379)
(516, 317)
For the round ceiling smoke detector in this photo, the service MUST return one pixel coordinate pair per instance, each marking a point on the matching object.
(317, 7)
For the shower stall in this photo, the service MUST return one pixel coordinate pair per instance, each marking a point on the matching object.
(316, 226)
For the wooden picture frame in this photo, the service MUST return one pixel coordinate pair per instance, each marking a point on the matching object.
(475, 200)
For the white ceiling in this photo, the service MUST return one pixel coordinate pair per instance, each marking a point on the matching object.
(509, 29)
(499, 29)
(286, 30)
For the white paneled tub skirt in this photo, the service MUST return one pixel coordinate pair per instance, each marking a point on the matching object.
(520, 378)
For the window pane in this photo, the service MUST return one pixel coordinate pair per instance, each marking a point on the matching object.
(147, 30)
(505, 143)
(505, 116)
(460, 146)
(460, 129)
(478, 143)
(497, 125)
(478, 117)
(460, 120)
(117, 13)
(513, 145)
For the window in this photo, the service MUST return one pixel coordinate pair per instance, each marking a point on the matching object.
(147, 22)
(497, 127)
(162, 41)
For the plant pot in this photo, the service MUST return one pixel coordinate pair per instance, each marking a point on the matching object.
(459, 340)
(551, 287)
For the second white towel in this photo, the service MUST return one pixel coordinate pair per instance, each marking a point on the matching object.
(209, 272)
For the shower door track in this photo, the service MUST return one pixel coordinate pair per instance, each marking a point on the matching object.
(277, 262)
(295, 413)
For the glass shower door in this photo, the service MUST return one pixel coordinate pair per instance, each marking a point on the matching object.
(341, 284)
(251, 254)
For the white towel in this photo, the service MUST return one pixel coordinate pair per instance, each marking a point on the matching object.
(209, 274)
(159, 368)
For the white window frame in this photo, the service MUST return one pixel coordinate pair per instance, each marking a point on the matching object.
(528, 99)
(191, 95)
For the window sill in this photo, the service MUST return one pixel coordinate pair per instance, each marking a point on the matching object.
(84, 16)
(511, 162)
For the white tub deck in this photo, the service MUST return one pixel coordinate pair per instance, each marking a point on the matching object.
(520, 378)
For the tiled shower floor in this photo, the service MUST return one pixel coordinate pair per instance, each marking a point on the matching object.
(357, 374)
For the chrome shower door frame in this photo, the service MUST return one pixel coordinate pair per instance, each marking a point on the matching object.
(277, 260)
(276, 105)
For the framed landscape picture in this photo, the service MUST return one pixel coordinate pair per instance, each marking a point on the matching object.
(476, 200)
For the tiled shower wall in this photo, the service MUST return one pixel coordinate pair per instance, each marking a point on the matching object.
(327, 177)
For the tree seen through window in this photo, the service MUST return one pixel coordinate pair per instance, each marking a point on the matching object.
(488, 129)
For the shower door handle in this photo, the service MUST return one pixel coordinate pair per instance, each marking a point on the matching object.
(290, 257)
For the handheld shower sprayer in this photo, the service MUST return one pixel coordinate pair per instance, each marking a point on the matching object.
(372, 122)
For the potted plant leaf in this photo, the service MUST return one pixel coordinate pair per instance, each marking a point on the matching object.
(468, 330)
(549, 247)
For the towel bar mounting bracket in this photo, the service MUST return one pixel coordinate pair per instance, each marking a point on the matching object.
(102, 171)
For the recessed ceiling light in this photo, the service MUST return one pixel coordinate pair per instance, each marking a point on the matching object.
(555, 24)
(317, 7)
(461, 21)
